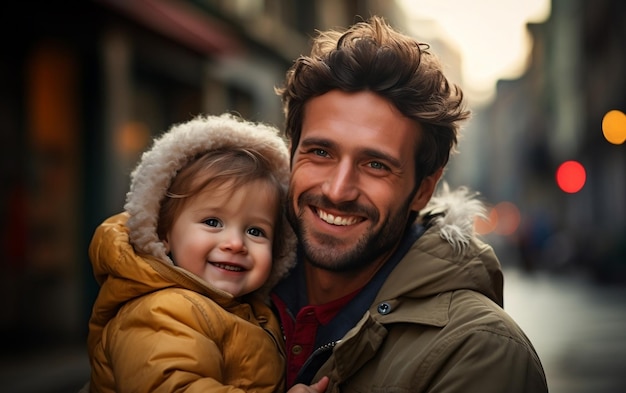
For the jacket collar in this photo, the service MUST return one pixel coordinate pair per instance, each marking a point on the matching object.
(330, 334)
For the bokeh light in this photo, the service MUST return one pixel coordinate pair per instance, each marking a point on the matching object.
(132, 138)
(485, 225)
(503, 219)
(508, 218)
(614, 127)
(571, 176)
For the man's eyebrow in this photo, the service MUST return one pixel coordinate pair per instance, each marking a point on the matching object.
(317, 142)
(377, 154)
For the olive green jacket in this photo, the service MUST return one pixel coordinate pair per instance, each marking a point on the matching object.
(437, 324)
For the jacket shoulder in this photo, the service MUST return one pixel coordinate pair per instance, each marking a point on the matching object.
(174, 307)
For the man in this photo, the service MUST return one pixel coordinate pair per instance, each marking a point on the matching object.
(392, 291)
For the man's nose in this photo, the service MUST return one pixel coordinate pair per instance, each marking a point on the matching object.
(341, 183)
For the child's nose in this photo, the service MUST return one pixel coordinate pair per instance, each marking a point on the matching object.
(233, 242)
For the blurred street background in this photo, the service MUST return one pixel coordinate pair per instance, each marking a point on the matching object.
(86, 85)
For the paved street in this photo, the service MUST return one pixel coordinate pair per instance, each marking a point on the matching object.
(578, 329)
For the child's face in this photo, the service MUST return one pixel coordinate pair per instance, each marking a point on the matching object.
(225, 237)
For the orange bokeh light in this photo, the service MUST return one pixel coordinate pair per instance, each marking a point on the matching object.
(508, 218)
(502, 219)
(485, 225)
(614, 127)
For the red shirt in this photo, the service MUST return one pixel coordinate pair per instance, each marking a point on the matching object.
(300, 333)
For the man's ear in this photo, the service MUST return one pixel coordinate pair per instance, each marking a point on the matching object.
(426, 190)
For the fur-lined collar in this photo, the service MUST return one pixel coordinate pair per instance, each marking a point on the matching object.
(454, 213)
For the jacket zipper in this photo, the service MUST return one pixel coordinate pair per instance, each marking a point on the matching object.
(325, 347)
(318, 351)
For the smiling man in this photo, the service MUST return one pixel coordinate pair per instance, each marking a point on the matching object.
(392, 290)
(346, 191)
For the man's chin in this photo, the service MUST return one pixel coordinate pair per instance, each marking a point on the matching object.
(335, 258)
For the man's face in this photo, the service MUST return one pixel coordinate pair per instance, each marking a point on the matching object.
(353, 180)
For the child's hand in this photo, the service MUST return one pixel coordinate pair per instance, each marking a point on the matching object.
(318, 387)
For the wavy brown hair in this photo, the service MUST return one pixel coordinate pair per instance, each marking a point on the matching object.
(373, 56)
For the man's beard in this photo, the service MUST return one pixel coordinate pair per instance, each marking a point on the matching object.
(367, 250)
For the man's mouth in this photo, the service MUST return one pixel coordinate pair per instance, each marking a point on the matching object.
(336, 220)
(232, 268)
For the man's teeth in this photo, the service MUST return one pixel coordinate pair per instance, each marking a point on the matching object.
(335, 220)
(228, 267)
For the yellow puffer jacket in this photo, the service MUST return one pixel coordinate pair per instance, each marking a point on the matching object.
(171, 332)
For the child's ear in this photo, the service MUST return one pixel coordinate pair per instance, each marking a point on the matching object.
(166, 243)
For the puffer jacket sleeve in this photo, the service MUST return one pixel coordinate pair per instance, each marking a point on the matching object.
(165, 342)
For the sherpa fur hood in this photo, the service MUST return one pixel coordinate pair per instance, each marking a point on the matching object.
(449, 256)
(173, 150)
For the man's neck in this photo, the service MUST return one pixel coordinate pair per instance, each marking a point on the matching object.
(324, 286)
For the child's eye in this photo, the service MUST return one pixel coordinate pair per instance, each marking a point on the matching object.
(256, 232)
(213, 222)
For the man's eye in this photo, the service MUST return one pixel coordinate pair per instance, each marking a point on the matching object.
(213, 222)
(256, 232)
(377, 165)
(320, 152)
